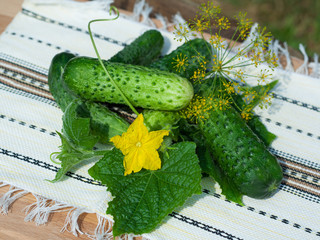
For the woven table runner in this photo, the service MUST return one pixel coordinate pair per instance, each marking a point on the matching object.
(29, 119)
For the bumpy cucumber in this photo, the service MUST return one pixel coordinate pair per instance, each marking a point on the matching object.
(157, 120)
(59, 93)
(105, 123)
(142, 51)
(240, 153)
(144, 87)
(191, 50)
(206, 89)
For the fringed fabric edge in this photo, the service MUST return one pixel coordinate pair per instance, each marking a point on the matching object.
(40, 211)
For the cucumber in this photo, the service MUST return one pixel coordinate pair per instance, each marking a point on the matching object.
(142, 50)
(144, 87)
(158, 120)
(59, 93)
(105, 123)
(205, 89)
(191, 50)
(241, 154)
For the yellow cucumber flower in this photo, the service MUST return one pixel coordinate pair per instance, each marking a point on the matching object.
(139, 147)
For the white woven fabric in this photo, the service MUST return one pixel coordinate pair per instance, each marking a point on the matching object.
(29, 118)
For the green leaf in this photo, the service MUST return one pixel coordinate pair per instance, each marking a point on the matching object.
(77, 129)
(261, 90)
(142, 200)
(76, 141)
(261, 131)
(69, 156)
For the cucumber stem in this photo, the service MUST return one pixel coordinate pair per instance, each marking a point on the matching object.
(100, 60)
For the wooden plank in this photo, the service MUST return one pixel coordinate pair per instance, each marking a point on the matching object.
(13, 226)
(8, 10)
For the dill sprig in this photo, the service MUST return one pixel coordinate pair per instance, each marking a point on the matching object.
(230, 63)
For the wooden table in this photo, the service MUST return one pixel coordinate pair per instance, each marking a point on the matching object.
(12, 226)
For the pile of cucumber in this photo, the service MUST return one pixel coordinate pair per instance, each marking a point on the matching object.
(231, 150)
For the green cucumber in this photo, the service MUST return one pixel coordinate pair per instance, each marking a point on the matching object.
(59, 93)
(142, 50)
(158, 120)
(240, 153)
(144, 87)
(205, 89)
(190, 50)
(105, 123)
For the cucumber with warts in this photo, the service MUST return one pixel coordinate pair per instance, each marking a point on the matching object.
(59, 93)
(240, 153)
(144, 87)
(142, 50)
(192, 51)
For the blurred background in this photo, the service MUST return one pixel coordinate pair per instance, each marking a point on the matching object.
(291, 21)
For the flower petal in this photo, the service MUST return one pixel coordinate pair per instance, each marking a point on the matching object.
(154, 139)
(140, 129)
(117, 141)
(152, 160)
(139, 147)
(132, 162)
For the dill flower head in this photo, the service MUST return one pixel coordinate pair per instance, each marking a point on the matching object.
(180, 62)
(239, 65)
(197, 108)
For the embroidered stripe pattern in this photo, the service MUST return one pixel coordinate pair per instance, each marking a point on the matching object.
(24, 64)
(288, 127)
(39, 41)
(24, 81)
(182, 218)
(296, 102)
(203, 226)
(71, 27)
(27, 80)
(266, 214)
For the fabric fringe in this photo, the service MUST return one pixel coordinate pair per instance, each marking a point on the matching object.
(141, 13)
(142, 8)
(103, 230)
(315, 67)
(42, 208)
(10, 197)
(72, 221)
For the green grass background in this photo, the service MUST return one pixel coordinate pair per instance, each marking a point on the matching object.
(291, 21)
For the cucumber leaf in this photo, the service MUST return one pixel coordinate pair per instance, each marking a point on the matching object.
(69, 157)
(76, 128)
(143, 199)
(261, 90)
(261, 130)
(77, 142)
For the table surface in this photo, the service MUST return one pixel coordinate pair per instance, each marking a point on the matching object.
(13, 225)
